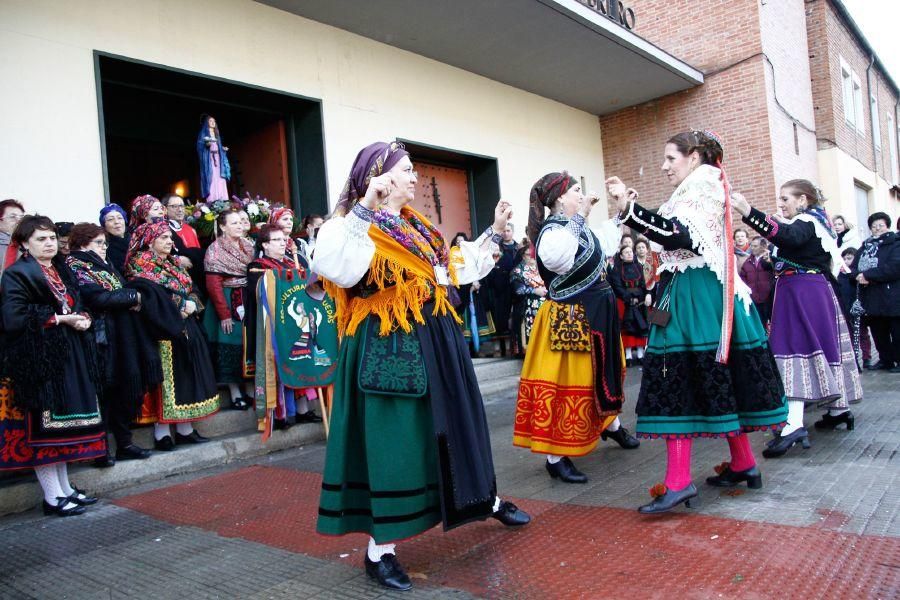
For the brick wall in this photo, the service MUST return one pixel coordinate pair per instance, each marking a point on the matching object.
(831, 40)
(721, 38)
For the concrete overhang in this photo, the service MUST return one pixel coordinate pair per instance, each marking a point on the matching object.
(559, 49)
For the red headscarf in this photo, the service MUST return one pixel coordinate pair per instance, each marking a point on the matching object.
(140, 208)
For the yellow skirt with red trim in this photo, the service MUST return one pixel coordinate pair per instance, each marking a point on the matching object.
(558, 410)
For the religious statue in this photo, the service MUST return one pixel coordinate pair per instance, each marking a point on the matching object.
(214, 168)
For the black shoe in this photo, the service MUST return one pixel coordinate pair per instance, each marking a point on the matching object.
(308, 417)
(241, 403)
(282, 424)
(105, 462)
(565, 470)
(191, 438)
(388, 573)
(79, 497)
(728, 478)
(783, 443)
(867, 363)
(670, 499)
(132, 452)
(58, 510)
(511, 515)
(894, 369)
(879, 366)
(166, 444)
(621, 437)
(829, 421)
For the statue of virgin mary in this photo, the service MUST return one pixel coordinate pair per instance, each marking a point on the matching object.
(214, 168)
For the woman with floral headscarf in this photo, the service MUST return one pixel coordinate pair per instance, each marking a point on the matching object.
(708, 370)
(169, 308)
(810, 338)
(571, 389)
(145, 209)
(409, 446)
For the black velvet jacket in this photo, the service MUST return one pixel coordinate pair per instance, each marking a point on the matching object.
(796, 242)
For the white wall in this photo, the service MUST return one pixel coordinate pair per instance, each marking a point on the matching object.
(50, 144)
(839, 173)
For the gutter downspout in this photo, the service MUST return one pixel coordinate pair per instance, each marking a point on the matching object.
(871, 116)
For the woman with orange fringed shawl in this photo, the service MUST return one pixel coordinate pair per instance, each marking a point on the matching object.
(409, 445)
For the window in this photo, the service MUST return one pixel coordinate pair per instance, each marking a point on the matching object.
(876, 129)
(847, 93)
(858, 105)
(892, 144)
(862, 209)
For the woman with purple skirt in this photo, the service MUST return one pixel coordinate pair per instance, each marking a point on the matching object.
(809, 336)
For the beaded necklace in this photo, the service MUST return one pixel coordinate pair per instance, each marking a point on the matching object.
(57, 287)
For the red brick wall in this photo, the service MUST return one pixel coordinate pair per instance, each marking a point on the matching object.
(830, 39)
(722, 38)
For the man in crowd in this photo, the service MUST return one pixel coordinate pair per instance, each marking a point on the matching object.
(759, 276)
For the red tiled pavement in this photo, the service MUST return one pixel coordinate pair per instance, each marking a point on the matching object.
(568, 551)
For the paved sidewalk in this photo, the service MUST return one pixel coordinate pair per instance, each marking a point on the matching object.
(825, 525)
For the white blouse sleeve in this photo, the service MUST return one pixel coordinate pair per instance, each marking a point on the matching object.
(610, 235)
(478, 257)
(344, 250)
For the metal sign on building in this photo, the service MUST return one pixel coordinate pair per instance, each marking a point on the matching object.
(612, 10)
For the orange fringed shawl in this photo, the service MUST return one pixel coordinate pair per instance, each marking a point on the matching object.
(404, 284)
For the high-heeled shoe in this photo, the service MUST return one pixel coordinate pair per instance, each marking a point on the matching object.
(783, 443)
(727, 478)
(829, 421)
(58, 510)
(564, 469)
(79, 497)
(670, 499)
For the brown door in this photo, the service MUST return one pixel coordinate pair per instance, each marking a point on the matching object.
(442, 195)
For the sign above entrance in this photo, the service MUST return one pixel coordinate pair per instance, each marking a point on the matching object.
(612, 10)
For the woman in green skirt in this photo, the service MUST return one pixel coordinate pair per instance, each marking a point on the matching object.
(708, 370)
(409, 446)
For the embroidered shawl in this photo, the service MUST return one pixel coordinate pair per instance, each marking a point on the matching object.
(825, 235)
(161, 271)
(229, 258)
(403, 279)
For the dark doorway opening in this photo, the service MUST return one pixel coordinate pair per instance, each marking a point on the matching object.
(150, 117)
(438, 170)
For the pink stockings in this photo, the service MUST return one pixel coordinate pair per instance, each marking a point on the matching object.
(678, 468)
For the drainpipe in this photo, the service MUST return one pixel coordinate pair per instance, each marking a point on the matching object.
(871, 116)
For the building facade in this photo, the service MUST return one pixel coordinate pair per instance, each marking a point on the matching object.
(102, 98)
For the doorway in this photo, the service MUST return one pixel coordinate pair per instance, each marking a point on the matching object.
(150, 117)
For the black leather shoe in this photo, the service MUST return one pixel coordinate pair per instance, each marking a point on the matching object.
(191, 438)
(829, 421)
(565, 470)
(879, 366)
(783, 443)
(511, 515)
(728, 478)
(282, 424)
(867, 363)
(388, 573)
(308, 417)
(58, 510)
(894, 369)
(132, 452)
(670, 499)
(79, 497)
(167, 444)
(621, 437)
(105, 462)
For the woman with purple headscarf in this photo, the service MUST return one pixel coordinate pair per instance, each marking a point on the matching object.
(409, 446)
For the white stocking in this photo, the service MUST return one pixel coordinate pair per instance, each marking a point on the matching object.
(795, 417)
(496, 504)
(640, 352)
(235, 391)
(553, 459)
(627, 353)
(614, 426)
(161, 430)
(62, 473)
(184, 428)
(302, 403)
(376, 551)
(49, 480)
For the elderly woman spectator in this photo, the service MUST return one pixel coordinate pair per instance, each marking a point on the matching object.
(114, 221)
(877, 270)
(530, 288)
(123, 345)
(11, 212)
(226, 277)
(169, 307)
(52, 415)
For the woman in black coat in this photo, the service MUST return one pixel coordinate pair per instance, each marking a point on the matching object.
(50, 409)
(877, 270)
(126, 350)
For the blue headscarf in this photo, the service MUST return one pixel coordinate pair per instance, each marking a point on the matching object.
(203, 154)
(821, 216)
(112, 206)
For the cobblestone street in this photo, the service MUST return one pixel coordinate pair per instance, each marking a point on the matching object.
(825, 525)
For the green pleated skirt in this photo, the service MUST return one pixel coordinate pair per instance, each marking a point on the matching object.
(684, 391)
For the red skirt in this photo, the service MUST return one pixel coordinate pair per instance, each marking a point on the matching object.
(628, 340)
